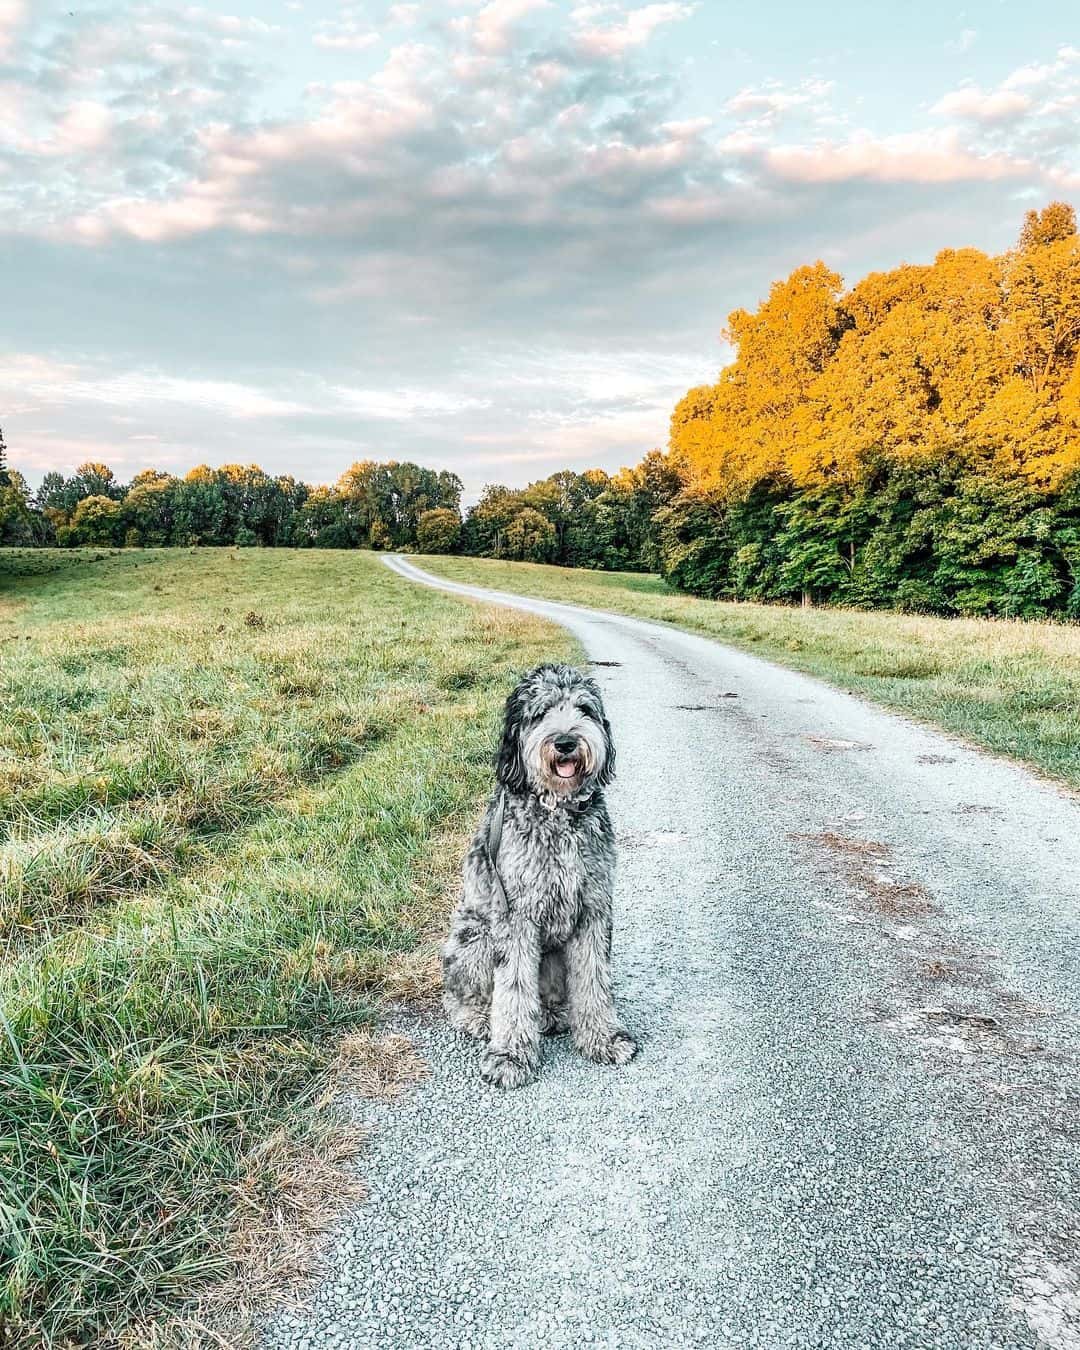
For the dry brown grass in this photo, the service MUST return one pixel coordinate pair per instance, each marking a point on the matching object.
(414, 977)
(379, 1067)
(295, 1190)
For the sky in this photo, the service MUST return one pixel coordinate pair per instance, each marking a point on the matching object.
(500, 237)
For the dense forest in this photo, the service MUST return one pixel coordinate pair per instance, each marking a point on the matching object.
(584, 520)
(913, 442)
(371, 506)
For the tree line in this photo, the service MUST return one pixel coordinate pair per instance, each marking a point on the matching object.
(391, 505)
(589, 519)
(911, 442)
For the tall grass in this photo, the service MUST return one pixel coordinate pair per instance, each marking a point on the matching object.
(232, 793)
(1010, 685)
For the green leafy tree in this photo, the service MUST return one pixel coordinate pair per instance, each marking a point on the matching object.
(97, 520)
(58, 496)
(695, 545)
(20, 525)
(994, 550)
(48, 494)
(450, 488)
(321, 521)
(384, 502)
(616, 527)
(438, 530)
(561, 500)
(200, 510)
(95, 480)
(529, 537)
(149, 509)
(486, 523)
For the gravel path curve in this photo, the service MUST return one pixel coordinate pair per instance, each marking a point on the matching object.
(849, 948)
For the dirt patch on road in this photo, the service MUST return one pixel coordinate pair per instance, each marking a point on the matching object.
(859, 862)
(831, 745)
(900, 900)
(652, 839)
(844, 846)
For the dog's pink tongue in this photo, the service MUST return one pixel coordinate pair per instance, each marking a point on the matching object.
(567, 769)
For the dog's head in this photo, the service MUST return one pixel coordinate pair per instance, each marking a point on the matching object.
(556, 739)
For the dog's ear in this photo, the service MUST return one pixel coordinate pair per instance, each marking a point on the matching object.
(510, 764)
(607, 773)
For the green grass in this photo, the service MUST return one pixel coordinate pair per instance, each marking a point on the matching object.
(1009, 685)
(233, 790)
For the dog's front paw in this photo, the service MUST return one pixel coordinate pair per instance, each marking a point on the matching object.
(554, 1022)
(617, 1047)
(502, 1069)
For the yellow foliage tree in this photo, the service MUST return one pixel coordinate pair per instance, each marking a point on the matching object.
(969, 353)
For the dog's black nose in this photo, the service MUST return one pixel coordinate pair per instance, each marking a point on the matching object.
(565, 745)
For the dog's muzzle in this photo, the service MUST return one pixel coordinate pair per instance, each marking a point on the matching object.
(566, 756)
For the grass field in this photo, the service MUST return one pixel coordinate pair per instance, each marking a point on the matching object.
(1011, 686)
(233, 790)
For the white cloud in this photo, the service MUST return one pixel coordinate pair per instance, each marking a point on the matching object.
(1001, 105)
(12, 14)
(769, 102)
(345, 37)
(491, 28)
(646, 379)
(156, 221)
(235, 25)
(688, 129)
(401, 405)
(913, 157)
(44, 381)
(350, 254)
(51, 382)
(84, 127)
(458, 140)
(223, 396)
(1033, 74)
(632, 29)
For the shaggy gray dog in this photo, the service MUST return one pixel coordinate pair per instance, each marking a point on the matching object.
(529, 950)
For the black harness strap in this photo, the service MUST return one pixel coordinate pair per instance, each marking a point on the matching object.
(494, 840)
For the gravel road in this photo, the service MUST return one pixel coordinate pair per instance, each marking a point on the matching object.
(848, 947)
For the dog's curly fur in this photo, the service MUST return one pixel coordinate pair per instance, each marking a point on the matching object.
(532, 955)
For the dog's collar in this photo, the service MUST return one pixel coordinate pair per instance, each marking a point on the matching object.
(550, 801)
(578, 805)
